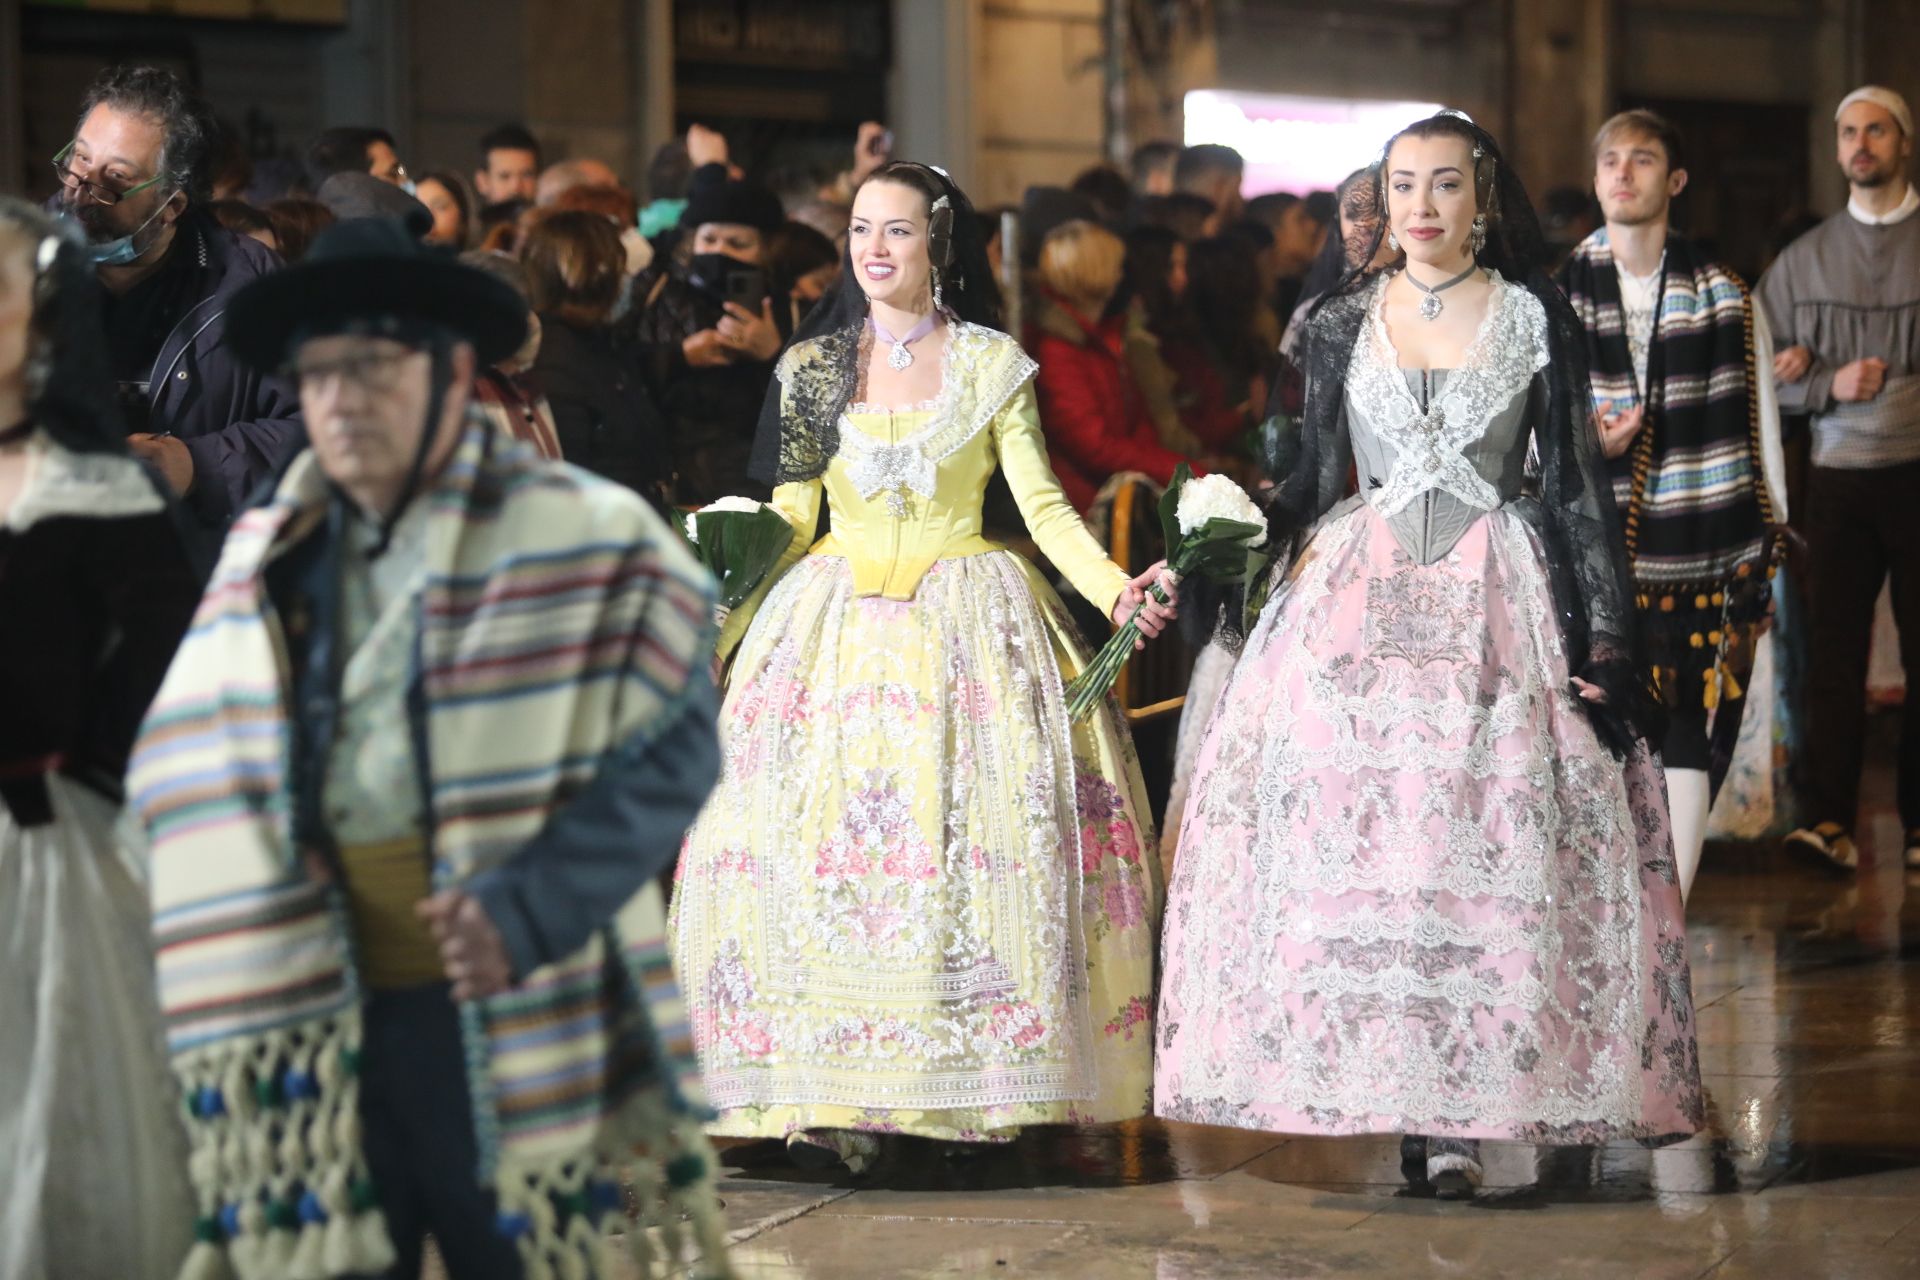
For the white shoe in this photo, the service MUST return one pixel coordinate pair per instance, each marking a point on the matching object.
(1453, 1167)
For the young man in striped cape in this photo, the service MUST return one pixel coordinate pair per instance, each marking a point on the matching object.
(1681, 362)
(441, 719)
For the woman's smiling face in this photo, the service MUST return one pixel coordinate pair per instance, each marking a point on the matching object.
(888, 242)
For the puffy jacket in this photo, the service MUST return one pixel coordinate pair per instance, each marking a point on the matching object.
(1094, 416)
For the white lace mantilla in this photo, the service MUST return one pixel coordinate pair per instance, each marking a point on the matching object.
(1431, 443)
(972, 390)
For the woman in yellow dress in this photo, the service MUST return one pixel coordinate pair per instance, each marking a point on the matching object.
(920, 900)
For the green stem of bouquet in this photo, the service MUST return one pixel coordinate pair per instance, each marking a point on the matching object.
(1094, 682)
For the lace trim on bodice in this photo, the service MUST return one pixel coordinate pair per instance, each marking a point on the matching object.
(1430, 444)
(928, 405)
(973, 388)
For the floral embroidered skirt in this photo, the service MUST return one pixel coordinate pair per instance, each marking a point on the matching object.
(1413, 891)
(921, 900)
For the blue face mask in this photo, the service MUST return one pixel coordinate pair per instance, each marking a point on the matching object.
(121, 251)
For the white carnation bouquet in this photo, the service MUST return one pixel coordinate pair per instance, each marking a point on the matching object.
(739, 540)
(1211, 528)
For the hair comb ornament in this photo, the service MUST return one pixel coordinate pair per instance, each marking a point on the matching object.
(940, 237)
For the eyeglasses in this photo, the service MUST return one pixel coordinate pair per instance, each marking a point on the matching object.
(86, 188)
(375, 372)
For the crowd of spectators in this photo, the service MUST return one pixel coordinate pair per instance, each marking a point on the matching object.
(1153, 299)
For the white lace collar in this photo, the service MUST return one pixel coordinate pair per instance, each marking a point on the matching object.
(61, 482)
(973, 388)
(1430, 444)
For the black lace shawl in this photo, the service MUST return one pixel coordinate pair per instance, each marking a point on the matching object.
(1573, 510)
(799, 430)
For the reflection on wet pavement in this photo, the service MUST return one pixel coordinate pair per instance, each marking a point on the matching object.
(1808, 991)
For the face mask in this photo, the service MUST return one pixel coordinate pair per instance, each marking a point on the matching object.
(119, 252)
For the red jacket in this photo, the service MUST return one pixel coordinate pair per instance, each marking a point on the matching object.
(1095, 420)
(1201, 395)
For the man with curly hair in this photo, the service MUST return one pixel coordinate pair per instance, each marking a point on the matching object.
(134, 178)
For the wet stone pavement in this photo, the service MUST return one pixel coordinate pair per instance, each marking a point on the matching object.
(1808, 996)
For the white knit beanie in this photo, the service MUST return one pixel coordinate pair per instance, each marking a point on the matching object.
(1893, 102)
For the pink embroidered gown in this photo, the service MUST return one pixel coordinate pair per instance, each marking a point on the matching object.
(1414, 893)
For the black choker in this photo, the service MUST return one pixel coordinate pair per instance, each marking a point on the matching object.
(18, 431)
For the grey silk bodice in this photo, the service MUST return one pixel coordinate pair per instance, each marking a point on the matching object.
(1436, 450)
(1428, 526)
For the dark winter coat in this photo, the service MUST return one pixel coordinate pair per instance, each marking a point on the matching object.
(240, 425)
(605, 418)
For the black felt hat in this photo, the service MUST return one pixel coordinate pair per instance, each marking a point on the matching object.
(746, 203)
(371, 275)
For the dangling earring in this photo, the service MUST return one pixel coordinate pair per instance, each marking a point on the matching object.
(1393, 242)
(938, 303)
(1479, 236)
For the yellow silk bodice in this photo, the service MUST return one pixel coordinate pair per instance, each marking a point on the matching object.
(891, 532)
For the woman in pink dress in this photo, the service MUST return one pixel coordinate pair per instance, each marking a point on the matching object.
(1425, 885)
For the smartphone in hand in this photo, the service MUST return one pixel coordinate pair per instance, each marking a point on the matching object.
(746, 286)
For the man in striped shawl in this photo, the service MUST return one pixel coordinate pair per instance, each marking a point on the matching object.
(1693, 436)
(442, 718)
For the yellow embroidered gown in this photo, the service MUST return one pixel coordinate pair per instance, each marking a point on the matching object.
(920, 900)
